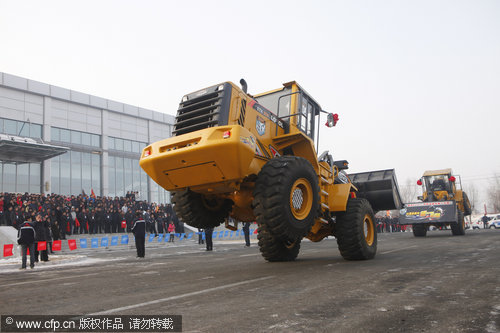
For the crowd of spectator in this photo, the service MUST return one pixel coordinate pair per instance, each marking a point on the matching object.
(389, 224)
(84, 214)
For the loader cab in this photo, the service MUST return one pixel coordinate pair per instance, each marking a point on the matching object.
(294, 106)
(437, 187)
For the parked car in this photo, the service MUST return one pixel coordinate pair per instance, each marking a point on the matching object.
(494, 224)
(476, 225)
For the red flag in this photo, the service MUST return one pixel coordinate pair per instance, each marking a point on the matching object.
(68, 227)
(87, 225)
(124, 224)
(7, 250)
(77, 223)
(56, 245)
(42, 246)
(28, 251)
(72, 244)
(92, 194)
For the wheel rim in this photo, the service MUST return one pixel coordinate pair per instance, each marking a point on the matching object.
(368, 230)
(301, 198)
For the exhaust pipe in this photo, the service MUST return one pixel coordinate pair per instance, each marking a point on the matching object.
(244, 85)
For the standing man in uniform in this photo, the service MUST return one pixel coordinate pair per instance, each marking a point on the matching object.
(200, 236)
(485, 220)
(26, 238)
(246, 231)
(139, 230)
(41, 231)
(208, 238)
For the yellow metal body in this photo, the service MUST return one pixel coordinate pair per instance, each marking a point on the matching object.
(224, 161)
(441, 195)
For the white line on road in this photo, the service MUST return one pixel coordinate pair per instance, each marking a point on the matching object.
(395, 250)
(194, 293)
(51, 279)
(249, 255)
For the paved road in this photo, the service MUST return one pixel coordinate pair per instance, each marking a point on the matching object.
(435, 284)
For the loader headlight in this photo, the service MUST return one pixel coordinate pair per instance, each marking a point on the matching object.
(221, 87)
(184, 98)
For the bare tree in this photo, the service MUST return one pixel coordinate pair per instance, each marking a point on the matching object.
(409, 191)
(494, 193)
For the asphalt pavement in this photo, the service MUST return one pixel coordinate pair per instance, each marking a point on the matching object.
(440, 283)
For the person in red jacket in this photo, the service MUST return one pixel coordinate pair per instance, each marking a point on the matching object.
(171, 231)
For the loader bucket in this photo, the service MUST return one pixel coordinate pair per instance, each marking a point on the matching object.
(380, 188)
(429, 212)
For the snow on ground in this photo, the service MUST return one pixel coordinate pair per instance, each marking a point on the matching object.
(13, 264)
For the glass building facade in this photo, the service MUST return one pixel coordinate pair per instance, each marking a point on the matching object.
(24, 177)
(105, 140)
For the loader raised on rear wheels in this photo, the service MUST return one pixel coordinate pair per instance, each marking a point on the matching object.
(253, 158)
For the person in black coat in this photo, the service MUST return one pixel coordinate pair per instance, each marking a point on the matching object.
(99, 218)
(129, 219)
(10, 216)
(208, 238)
(48, 232)
(116, 220)
(92, 222)
(26, 238)
(139, 230)
(82, 220)
(246, 231)
(18, 217)
(107, 221)
(40, 227)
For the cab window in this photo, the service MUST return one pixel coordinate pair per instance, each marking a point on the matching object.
(306, 117)
(438, 183)
(270, 102)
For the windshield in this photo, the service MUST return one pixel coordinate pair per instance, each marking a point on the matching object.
(437, 183)
(270, 102)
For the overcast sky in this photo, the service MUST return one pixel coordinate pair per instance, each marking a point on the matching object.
(416, 84)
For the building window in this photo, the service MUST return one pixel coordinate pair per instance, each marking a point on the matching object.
(125, 175)
(20, 178)
(76, 172)
(96, 140)
(65, 135)
(10, 127)
(55, 134)
(125, 145)
(75, 137)
(20, 128)
(86, 140)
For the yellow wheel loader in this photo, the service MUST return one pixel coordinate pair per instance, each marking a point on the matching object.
(253, 158)
(443, 203)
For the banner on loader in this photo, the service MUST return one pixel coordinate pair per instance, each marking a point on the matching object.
(428, 212)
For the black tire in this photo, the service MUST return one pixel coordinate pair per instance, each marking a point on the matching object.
(199, 211)
(419, 230)
(274, 249)
(458, 228)
(286, 197)
(467, 207)
(354, 242)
